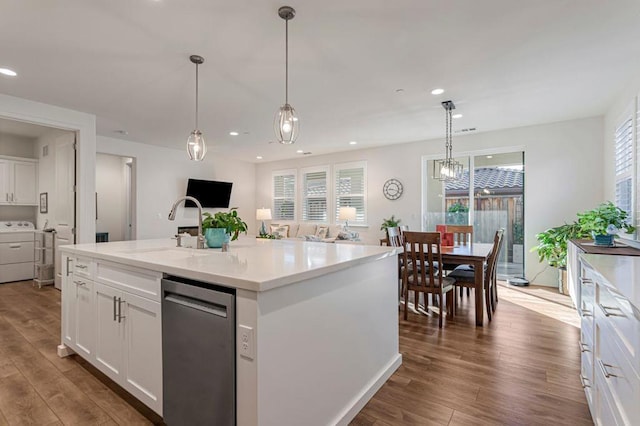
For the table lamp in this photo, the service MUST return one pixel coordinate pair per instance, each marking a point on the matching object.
(346, 214)
(263, 214)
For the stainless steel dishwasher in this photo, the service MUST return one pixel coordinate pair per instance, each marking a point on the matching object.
(198, 353)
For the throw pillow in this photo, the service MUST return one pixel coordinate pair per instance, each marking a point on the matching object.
(311, 238)
(281, 231)
(322, 231)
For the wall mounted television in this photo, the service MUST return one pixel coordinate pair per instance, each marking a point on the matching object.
(210, 193)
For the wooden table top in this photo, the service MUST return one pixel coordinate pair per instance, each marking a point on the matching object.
(477, 251)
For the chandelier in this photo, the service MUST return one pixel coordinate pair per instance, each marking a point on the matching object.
(196, 147)
(286, 121)
(447, 169)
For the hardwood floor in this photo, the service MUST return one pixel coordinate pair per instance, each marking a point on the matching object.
(521, 369)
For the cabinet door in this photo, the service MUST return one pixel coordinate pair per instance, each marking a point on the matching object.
(143, 350)
(68, 305)
(24, 183)
(108, 332)
(5, 193)
(85, 316)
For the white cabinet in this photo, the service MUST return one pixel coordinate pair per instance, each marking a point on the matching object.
(610, 345)
(18, 182)
(116, 330)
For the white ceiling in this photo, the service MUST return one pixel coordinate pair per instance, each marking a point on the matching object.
(504, 63)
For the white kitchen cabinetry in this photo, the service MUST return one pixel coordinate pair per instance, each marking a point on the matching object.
(18, 181)
(126, 328)
(610, 338)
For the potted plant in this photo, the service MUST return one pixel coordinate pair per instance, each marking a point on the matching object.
(603, 222)
(552, 247)
(222, 226)
(392, 222)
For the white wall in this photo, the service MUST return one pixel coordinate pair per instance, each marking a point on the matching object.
(17, 146)
(111, 192)
(47, 172)
(563, 175)
(161, 177)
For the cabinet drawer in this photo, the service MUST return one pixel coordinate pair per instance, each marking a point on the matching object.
(586, 376)
(616, 375)
(16, 272)
(83, 267)
(624, 326)
(141, 282)
(16, 252)
(12, 237)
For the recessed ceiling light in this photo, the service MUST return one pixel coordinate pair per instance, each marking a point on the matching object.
(234, 133)
(7, 71)
(437, 91)
(299, 151)
(457, 116)
(399, 90)
(259, 157)
(353, 143)
(489, 156)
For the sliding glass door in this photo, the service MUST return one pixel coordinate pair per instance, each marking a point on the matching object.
(494, 201)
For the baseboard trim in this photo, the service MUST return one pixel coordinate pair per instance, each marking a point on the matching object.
(358, 403)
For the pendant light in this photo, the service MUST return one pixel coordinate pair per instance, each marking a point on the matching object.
(286, 121)
(195, 144)
(448, 169)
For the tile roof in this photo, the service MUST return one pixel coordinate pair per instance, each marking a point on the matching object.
(495, 180)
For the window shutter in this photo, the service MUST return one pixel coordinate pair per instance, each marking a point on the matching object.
(350, 190)
(624, 165)
(284, 195)
(314, 197)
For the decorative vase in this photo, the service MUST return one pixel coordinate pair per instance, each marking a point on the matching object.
(603, 240)
(216, 237)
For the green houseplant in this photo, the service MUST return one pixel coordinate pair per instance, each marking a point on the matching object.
(603, 222)
(221, 226)
(392, 222)
(552, 243)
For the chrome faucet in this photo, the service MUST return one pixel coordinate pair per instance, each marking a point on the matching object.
(172, 216)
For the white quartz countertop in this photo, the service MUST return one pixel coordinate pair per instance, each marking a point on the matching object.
(622, 274)
(251, 263)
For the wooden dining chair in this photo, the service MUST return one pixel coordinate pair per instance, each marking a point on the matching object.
(423, 248)
(493, 285)
(464, 275)
(462, 235)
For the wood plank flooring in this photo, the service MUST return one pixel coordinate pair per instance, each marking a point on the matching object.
(520, 369)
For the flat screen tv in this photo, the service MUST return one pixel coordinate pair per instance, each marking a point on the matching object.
(210, 193)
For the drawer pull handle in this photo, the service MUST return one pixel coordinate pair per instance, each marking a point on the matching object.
(605, 309)
(583, 347)
(81, 266)
(120, 316)
(114, 308)
(68, 270)
(586, 313)
(604, 367)
(584, 382)
(586, 281)
(80, 282)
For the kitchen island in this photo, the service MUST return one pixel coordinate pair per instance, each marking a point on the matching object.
(318, 321)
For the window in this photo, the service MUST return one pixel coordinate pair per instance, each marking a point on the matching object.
(314, 194)
(624, 164)
(284, 195)
(351, 190)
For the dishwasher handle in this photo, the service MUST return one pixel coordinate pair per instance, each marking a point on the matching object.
(200, 305)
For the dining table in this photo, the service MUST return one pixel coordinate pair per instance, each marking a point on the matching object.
(475, 254)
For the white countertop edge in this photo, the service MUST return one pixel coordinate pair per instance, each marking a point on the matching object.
(594, 261)
(230, 281)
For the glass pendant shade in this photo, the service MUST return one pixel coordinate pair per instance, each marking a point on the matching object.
(196, 146)
(286, 125)
(447, 169)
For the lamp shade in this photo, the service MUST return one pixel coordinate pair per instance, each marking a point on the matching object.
(263, 214)
(347, 213)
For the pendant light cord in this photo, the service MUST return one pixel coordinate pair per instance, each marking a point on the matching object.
(197, 65)
(286, 61)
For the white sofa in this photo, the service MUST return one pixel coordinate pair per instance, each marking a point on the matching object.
(310, 231)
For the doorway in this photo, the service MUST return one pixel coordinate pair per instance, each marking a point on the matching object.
(495, 200)
(115, 198)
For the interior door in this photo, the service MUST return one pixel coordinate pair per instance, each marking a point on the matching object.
(65, 198)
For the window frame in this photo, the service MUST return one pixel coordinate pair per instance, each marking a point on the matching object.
(294, 198)
(336, 197)
(328, 192)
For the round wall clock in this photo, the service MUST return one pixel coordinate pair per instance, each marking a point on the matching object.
(392, 189)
